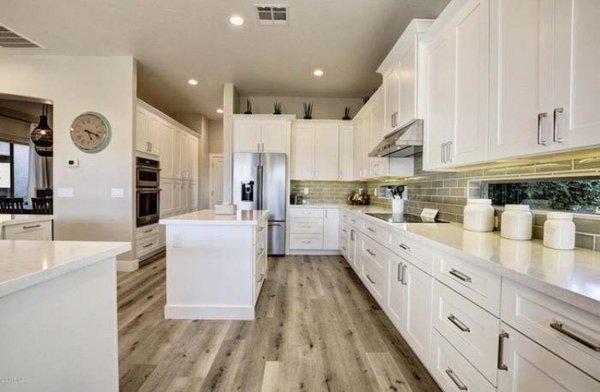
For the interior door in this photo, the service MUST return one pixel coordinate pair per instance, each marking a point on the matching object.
(273, 136)
(418, 310)
(326, 152)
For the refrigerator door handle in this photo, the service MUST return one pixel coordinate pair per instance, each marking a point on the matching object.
(259, 187)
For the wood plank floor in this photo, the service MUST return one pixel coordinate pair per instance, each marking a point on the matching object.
(317, 329)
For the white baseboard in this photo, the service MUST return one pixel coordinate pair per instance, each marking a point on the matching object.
(127, 265)
(197, 312)
(300, 252)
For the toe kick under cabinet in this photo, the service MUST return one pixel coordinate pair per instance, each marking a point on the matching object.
(473, 330)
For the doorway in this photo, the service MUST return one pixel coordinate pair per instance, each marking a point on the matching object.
(215, 179)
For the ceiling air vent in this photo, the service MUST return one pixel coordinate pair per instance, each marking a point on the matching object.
(272, 14)
(10, 39)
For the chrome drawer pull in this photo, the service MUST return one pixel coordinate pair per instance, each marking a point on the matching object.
(459, 384)
(147, 245)
(369, 251)
(405, 247)
(400, 277)
(460, 275)
(558, 326)
(371, 230)
(541, 138)
(344, 230)
(403, 281)
(503, 335)
(459, 324)
(147, 231)
(370, 280)
(306, 241)
(32, 227)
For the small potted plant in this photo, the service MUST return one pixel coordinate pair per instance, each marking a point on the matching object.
(277, 108)
(248, 107)
(346, 114)
(308, 107)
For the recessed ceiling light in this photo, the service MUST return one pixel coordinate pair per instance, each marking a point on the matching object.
(236, 20)
(318, 72)
(220, 111)
(192, 82)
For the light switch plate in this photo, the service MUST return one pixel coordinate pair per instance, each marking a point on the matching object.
(64, 192)
(117, 193)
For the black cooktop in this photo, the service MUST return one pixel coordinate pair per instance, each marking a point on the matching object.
(403, 218)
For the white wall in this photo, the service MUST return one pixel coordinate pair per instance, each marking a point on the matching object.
(231, 104)
(76, 84)
(215, 136)
(323, 108)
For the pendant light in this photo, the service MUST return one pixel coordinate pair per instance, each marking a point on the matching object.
(42, 134)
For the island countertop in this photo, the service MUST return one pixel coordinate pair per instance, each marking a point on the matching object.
(8, 219)
(27, 263)
(208, 217)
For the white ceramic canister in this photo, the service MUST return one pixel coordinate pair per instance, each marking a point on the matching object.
(478, 215)
(517, 222)
(559, 231)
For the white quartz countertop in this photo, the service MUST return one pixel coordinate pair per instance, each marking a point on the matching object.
(27, 263)
(7, 219)
(208, 217)
(572, 276)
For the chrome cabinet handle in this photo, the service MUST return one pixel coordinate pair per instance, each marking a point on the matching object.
(403, 281)
(503, 335)
(400, 272)
(459, 324)
(31, 227)
(371, 230)
(147, 231)
(344, 231)
(541, 137)
(555, 135)
(460, 275)
(370, 280)
(449, 151)
(443, 153)
(147, 245)
(459, 384)
(352, 235)
(369, 251)
(405, 247)
(306, 241)
(558, 326)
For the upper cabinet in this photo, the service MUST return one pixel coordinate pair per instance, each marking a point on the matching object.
(399, 71)
(147, 135)
(261, 133)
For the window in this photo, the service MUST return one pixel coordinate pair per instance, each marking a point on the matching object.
(581, 195)
(14, 170)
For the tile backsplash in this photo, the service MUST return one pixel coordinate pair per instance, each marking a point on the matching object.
(333, 192)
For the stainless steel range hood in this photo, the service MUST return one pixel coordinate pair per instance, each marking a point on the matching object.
(406, 141)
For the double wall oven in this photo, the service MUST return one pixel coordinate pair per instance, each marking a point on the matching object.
(147, 191)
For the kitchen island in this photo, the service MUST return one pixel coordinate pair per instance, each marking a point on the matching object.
(216, 264)
(26, 227)
(58, 323)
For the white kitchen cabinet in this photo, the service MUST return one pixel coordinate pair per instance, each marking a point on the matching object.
(303, 152)
(418, 310)
(378, 167)
(37, 230)
(391, 90)
(166, 151)
(166, 197)
(261, 133)
(346, 152)
(326, 152)
(331, 228)
(395, 304)
(529, 367)
(141, 124)
(177, 186)
(147, 131)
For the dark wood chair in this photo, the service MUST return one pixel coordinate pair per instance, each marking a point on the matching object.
(43, 192)
(41, 205)
(11, 205)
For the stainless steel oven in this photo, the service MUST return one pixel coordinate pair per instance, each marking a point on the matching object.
(147, 206)
(147, 173)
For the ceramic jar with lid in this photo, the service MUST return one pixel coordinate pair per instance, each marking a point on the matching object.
(559, 231)
(478, 215)
(517, 222)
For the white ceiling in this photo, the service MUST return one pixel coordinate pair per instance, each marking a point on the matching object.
(175, 40)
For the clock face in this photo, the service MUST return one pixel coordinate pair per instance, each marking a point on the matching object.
(90, 132)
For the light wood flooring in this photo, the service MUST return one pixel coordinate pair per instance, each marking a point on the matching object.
(317, 329)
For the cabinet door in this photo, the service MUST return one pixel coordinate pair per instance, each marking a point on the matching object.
(153, 134)
(166, 197)
(326, 152)
(331, 228)
(346, 152)
(407, 80)
(395, 304)
(575, 66)
(439, 63)
(166, 151)
(141, 124)
(532, 368)
(419, 287)
(274, 136)
(303, 152)
(469, 142)
(391, 95)
(184, 195)
(177, 161)
(520, 81)
(246, 135)
(377, 166)
(177, 185)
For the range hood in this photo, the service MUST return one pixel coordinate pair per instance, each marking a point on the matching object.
(404, 142)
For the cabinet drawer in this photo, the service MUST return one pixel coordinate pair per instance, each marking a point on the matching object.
(374, 279)
(146, 231)
(470, 329)
(478, 285)
(419, 254)
(569, 332)
(451, 370)
(306, 226)
(306, 241)
(355, 221)
(372, 251)
(345, 216)
(29, 231)
(147, 245)
(377, 232)
(306, 213)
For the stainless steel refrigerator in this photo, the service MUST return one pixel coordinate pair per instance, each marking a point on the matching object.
(259, 183)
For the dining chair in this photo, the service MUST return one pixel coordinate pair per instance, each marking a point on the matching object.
(11, 205)
(42, 205)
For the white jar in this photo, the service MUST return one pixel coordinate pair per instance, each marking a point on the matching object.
(478, 215)
(517, 222)
(559, 231)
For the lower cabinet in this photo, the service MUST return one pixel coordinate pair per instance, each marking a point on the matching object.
(314, 229)
(529, 367)
(40, 231)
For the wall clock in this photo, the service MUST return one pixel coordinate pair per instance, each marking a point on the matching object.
(91, 132)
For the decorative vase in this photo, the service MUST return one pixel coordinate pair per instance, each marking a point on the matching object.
(346, 114)
(248, 107)
(308, 107)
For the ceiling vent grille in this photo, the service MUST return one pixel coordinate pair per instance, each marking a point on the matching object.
(272, 15)
(10, 39)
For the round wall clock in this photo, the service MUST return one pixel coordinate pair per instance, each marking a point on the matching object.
(91, 132)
